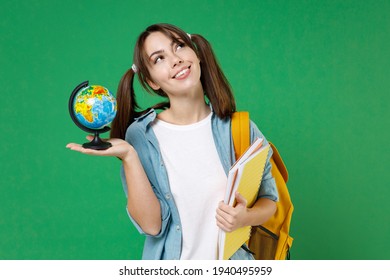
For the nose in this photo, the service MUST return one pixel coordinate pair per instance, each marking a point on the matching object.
(176, 60)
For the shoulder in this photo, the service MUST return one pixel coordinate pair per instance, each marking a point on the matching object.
(256, 132)
(138, 128)
(217, 121)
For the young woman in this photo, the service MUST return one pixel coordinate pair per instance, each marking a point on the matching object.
(176, 155)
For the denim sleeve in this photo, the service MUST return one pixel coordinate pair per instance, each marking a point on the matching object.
(165, 212)
(135, 135)
(268, 185)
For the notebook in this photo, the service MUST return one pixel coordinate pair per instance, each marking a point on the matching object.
(245, 177)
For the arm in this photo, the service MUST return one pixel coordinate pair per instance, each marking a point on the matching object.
(141, 198)
(142, 202)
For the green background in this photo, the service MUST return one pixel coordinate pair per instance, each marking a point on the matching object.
(313, 74)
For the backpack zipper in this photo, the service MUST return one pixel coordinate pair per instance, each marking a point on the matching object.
(270, 233)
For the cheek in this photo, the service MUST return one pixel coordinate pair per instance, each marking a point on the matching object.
(158, 73)
(156, 78)
(193, 56)
(197, 63)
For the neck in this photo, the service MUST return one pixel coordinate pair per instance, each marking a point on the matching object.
(186, 109)
(187, 113)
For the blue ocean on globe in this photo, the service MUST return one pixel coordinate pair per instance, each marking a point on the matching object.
(95, 107)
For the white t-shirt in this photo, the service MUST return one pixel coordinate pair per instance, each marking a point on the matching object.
(197, 182)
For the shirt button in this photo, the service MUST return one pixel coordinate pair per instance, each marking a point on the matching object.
(168, 196)
(177, 228)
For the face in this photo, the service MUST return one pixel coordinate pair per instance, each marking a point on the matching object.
(173, 66)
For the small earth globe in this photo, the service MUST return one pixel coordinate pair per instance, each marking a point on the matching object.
(93, 108)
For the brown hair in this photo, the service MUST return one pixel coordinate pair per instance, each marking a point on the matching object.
(217, 88)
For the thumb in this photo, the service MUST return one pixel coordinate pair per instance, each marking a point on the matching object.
(240, 199)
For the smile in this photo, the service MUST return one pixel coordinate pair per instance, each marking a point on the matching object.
(182, 74)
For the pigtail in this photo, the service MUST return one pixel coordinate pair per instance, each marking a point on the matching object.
(215, 84)
(126, 106)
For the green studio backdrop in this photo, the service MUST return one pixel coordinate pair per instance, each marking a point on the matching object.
(313, 74)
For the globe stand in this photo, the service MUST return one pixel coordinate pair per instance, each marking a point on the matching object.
(97, 143)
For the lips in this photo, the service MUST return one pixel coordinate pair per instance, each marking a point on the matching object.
(182, 73)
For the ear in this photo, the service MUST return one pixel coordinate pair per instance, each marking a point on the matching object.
(153, 85)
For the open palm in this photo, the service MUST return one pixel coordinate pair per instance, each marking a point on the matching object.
(119, 148)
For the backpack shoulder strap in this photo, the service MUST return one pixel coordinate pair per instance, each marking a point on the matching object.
(279, 162)
(240, 132)
(241, 140)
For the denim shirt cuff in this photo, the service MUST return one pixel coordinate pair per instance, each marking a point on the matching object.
(165, 214)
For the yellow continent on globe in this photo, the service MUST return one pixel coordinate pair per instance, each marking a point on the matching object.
(82, 107)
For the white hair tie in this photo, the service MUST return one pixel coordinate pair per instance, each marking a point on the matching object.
(189, 35)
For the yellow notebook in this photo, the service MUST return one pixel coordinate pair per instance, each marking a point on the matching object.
(245, 177)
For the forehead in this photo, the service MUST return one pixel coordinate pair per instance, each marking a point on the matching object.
(158, 41)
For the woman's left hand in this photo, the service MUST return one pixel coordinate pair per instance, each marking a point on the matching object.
(231, 218)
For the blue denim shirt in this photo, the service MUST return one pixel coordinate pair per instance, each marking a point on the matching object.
(167, 244)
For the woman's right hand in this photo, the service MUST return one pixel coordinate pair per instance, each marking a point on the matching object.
(120, 148)
(141, 198)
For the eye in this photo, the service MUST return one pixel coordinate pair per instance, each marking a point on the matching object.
(158, 59)
(179, 46)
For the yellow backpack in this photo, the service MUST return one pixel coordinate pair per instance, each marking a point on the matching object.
(271, 240)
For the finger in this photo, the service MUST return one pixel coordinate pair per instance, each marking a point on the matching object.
(223, 227)
(223, 212)
(72, 145)
(224, 207)
(111, 140)
(224, 218)
(76, 147)
(91, 137)
(225, 222)
(81, 149)
(240, 199)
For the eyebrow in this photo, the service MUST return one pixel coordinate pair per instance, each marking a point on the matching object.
(156, 52)
(161, 51)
